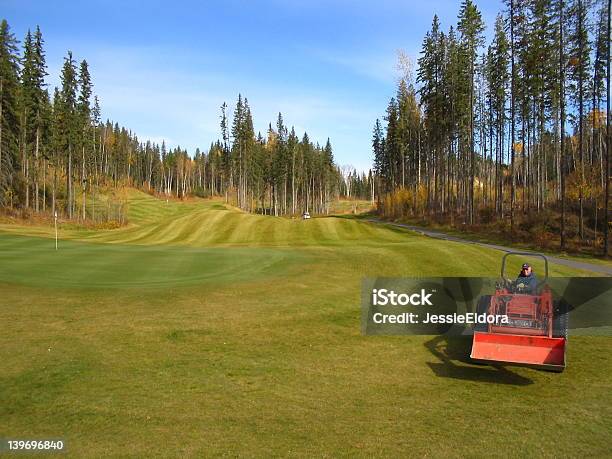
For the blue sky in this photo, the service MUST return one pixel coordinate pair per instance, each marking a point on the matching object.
(164, 68)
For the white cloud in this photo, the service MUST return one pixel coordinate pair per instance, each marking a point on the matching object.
(375, 66)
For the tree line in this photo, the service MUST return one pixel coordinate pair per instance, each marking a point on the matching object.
(509, 132)
(280, 173)
(57, 155)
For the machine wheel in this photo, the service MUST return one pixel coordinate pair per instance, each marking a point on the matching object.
(482, 307)
(560, 319)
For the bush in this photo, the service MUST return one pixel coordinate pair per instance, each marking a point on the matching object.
(403, 203)
(487, 214)
(201, 192)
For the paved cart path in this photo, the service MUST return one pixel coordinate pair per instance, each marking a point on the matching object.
(603, 269)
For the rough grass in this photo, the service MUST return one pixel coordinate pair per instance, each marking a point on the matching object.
(351, 206)
(199, 330)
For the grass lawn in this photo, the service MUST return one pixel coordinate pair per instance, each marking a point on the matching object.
(490, 236)
(200, 330)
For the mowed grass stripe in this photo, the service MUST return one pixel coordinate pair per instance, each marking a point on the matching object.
(205, 223)
(34, 261)
(211, 223)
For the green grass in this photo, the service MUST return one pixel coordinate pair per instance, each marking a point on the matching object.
(201, 330)
(490, 237)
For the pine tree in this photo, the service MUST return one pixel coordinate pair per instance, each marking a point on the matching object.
(602, 53)
(378, 147)
(69, 123)
(498, 84)
(562, 168)
(226, 155)
(9, 124)
(41, 109)
(83, 114)
(392, 145)
(27, 102)
(608, 133)
(579, 67)
(471, 28)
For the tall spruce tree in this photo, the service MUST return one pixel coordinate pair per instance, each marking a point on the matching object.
(9, 118)
(69, 126)
(83, 114)
(471, 28)
(579, 66)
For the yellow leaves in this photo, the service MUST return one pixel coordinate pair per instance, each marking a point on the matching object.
(590, 186)
(598, 117)
(272, 138)
(518, 147)
(573, 141)
(403, 202)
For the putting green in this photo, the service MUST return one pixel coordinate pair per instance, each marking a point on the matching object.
(34, 261)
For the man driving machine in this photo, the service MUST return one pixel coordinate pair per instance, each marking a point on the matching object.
(527, 281)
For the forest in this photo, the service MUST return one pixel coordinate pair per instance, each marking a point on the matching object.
(56, 155)
(512, 135)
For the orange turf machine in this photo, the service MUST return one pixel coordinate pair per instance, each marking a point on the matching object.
(536, 331)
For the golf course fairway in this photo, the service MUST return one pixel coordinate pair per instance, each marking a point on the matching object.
(202, 330)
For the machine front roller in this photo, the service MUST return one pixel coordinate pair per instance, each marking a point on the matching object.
(537, 351)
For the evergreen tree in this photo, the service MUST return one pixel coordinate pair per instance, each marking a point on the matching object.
(69, 126)
(83, 115)
(579, 60)
(497, 73)
(471, 28)
(9, 124)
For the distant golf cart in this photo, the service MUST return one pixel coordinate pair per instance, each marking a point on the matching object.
(536, 334)
(306, 216)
